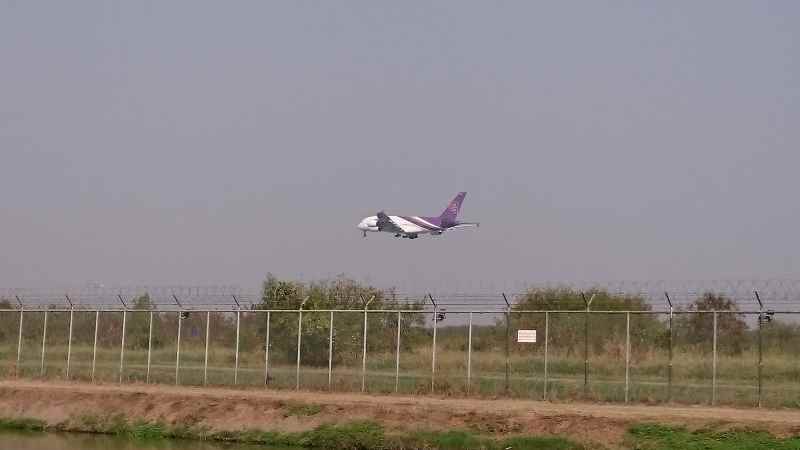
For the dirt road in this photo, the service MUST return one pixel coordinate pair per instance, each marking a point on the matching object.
(237, 409)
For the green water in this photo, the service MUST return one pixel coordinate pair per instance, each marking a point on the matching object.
(77, 441)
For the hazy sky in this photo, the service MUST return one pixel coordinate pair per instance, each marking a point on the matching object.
(212, 142)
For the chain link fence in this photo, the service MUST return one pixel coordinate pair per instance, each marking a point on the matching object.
(680, 354)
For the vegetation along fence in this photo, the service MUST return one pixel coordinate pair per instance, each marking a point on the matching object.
(552, 344)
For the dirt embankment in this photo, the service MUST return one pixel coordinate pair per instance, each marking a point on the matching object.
(240, 409)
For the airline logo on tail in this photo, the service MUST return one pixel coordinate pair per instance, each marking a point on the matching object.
(450, 214)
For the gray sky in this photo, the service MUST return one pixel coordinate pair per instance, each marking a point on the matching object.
(213, 142)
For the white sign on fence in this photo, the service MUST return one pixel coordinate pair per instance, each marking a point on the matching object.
(526, 335)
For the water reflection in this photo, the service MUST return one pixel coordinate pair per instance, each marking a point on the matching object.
(75, 441)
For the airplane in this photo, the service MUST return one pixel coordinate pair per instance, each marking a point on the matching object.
(411, 227)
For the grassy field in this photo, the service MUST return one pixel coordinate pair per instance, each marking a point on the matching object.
(736, 382)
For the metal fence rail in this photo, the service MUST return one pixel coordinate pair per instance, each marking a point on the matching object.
(780, 293)
(673, 355)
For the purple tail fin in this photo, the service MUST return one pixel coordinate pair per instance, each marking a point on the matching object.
(450, 214)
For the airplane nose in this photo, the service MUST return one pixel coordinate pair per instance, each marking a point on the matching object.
(361, 226)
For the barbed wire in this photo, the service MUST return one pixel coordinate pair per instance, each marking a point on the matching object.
(182, 297)
(775, 293)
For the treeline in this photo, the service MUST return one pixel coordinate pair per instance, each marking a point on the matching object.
(340, 293)
(606, 332)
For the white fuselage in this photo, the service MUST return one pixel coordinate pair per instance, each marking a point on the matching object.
(370, 224)
(412, 226)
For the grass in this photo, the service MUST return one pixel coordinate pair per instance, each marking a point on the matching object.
(736, 375)
(458, 439)
(359, 435)
(660, 437)
(22, 424)
(356, 435)
(301, 409)
(368, 435)
(116, 424)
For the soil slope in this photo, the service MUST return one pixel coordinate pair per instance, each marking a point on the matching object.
(225, 409)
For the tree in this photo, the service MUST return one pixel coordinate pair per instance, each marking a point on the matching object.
(340, 293)
(698, 328)
(9, 321)
(568, 328)
(138, 326)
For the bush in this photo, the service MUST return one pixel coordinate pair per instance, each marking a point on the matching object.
(697, 329)
(340, 293)
(604, 329)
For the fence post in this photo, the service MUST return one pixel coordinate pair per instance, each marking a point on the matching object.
(178, 350)
(205, 356)
(627, 353)
(94, 346)
(19, 342)
(122, 346)
(714, 367)
(364, 351)
(586, 345)
(546, 340)
(330, 353)
(69, 341)
(44, 343)
(433, 345)
(397, 357)
(469, 354)
(508, 337)
(236, 356)
(760, 348)
(149, 347)
(178, 343)
(266, 352)
(669, 363)
(299, 342)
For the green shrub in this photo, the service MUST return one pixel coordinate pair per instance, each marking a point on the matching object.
(350, 436)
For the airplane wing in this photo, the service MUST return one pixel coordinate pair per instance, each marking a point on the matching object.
(385, 223)
(465, 225)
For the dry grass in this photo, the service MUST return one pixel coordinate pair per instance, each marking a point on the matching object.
(691, 372)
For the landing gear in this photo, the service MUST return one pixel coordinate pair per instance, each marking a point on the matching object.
(412, 236)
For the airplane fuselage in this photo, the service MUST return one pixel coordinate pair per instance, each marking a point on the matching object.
(412, 225)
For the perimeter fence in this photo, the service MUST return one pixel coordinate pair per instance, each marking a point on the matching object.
(435, 345)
